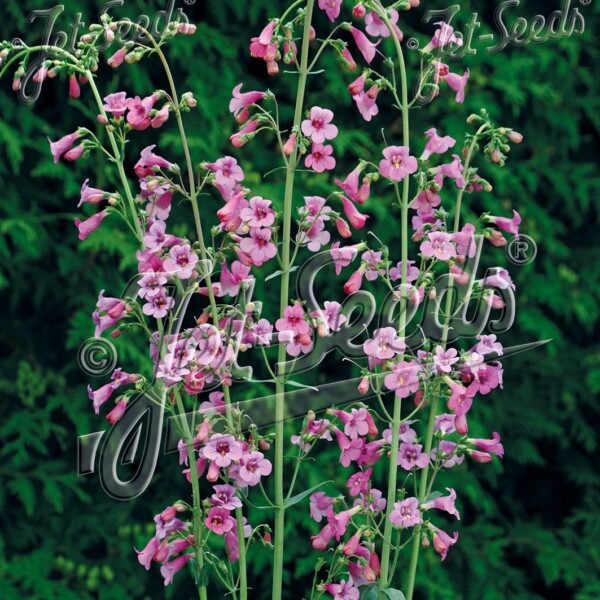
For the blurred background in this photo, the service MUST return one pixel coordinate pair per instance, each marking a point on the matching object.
(531, 523)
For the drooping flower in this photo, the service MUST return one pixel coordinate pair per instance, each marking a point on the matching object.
(320, 503)
(91, 195)
(91, 224)
(406, 513)
(375, 27)
(367, 106)
(262, 46)
(442, 541)
(458, 84)
(367, 47)
(508, 225)
(397, 163)
(492, 446)
(436, 144)
(62, 146)
(138, 115)
(241, 101)
(342, 257)
(444, 503)
(500, 278)
(318, 126)
(331, 8)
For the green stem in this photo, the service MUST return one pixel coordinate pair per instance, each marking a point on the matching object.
(284, 299)
(119, 158)
(386, 576)
(414, 558)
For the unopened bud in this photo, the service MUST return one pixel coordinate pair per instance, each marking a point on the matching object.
(515, 137)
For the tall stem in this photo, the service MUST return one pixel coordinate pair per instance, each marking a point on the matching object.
(386, 576)
(283, 302)
(120, 159)
(414, 558)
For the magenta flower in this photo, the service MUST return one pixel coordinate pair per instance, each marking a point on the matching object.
(241, 101)
(181, 261)
(224, 497)
(406, 513)
(320, 158)
(62, 146)
(464, 240)
(444, 423)
(139, 111)
(108, 312)
(356, 218)
(146, 556)
(258, 246)
(458, 84)
(359, 483)
(222, 450)
(492, 446)
(350, 186)
(410, 456)
(436, 144)
(228, 172)
(319, 505)
(344, 590)
(319, 127)
(90, 225)
(244, 135)
(488, 344)
(169, 569)
(443, 36)
(367, 47)
(148, 161)
(404, 379)
(367, 106)
(351, 450)
(331, 316)
(261, 46)
(444, 359)
(500, 278)
(358, 422)
(158, 305)
(461, 399)
(116, 60)
(253, 466)
(442, 541)
(116, 414)
(230, 280)
(100, 396)
(342, 257)
(331, 8)
(444, 503)
(508, 225)
(375, 27)
(293, 320)
(116, 104)
(397, 163)
(438, 245)
(91, 195)
(259, 213)
(385, 344)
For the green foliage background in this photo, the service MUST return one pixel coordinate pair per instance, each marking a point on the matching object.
(530, 525)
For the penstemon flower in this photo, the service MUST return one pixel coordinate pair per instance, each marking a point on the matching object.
(194, 370)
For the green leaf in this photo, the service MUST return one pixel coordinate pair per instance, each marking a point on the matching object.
(299, 497)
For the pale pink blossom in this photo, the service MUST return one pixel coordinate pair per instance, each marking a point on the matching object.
(318, 126)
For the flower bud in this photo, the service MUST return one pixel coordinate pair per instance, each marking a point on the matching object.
(312, 34)
(359, 11)
(363, 386)
(515, 137)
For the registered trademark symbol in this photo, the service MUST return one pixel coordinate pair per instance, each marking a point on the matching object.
(521, 250)
(412, 44)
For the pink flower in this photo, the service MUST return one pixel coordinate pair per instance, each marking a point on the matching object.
(453, 170)
(351, 450)
(358, 85)
(116, 414)
(355, 282)
(224, 497)
(148, 161)
(90, 225)
(62, 146)
(320, 158)
(344, 590)
(331, 8)
(253, 466)
(158, 305)
(342, 257)
(385, 344)
(404, 379)
(500, 278)
(169, 569)
(244, 135)
(240, 100)
(259, 213)
(139, 111)
(181, 261)
(100, 396)
(410, 456)
(397, 163)
(91, 195)
(231, 280)
(161, 117)
(436, 144)
(444, 503)
(219, 520)
(350, 186)
(319, 505)
(222, 450)
(146, 556)
(406, 513)
(438, 245)
(492, 446)
(375, 27)
(359, 483)
(442, 541)
(258, 246)
(366, 47)
(319, 127)
(443, 36)
(261, 46)
(508, 225)
(444, 359)
(116, 104)
(228, 172)
(116, 60)
(356, 218)
(458, 84)
(464, 240)
(366, 105)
